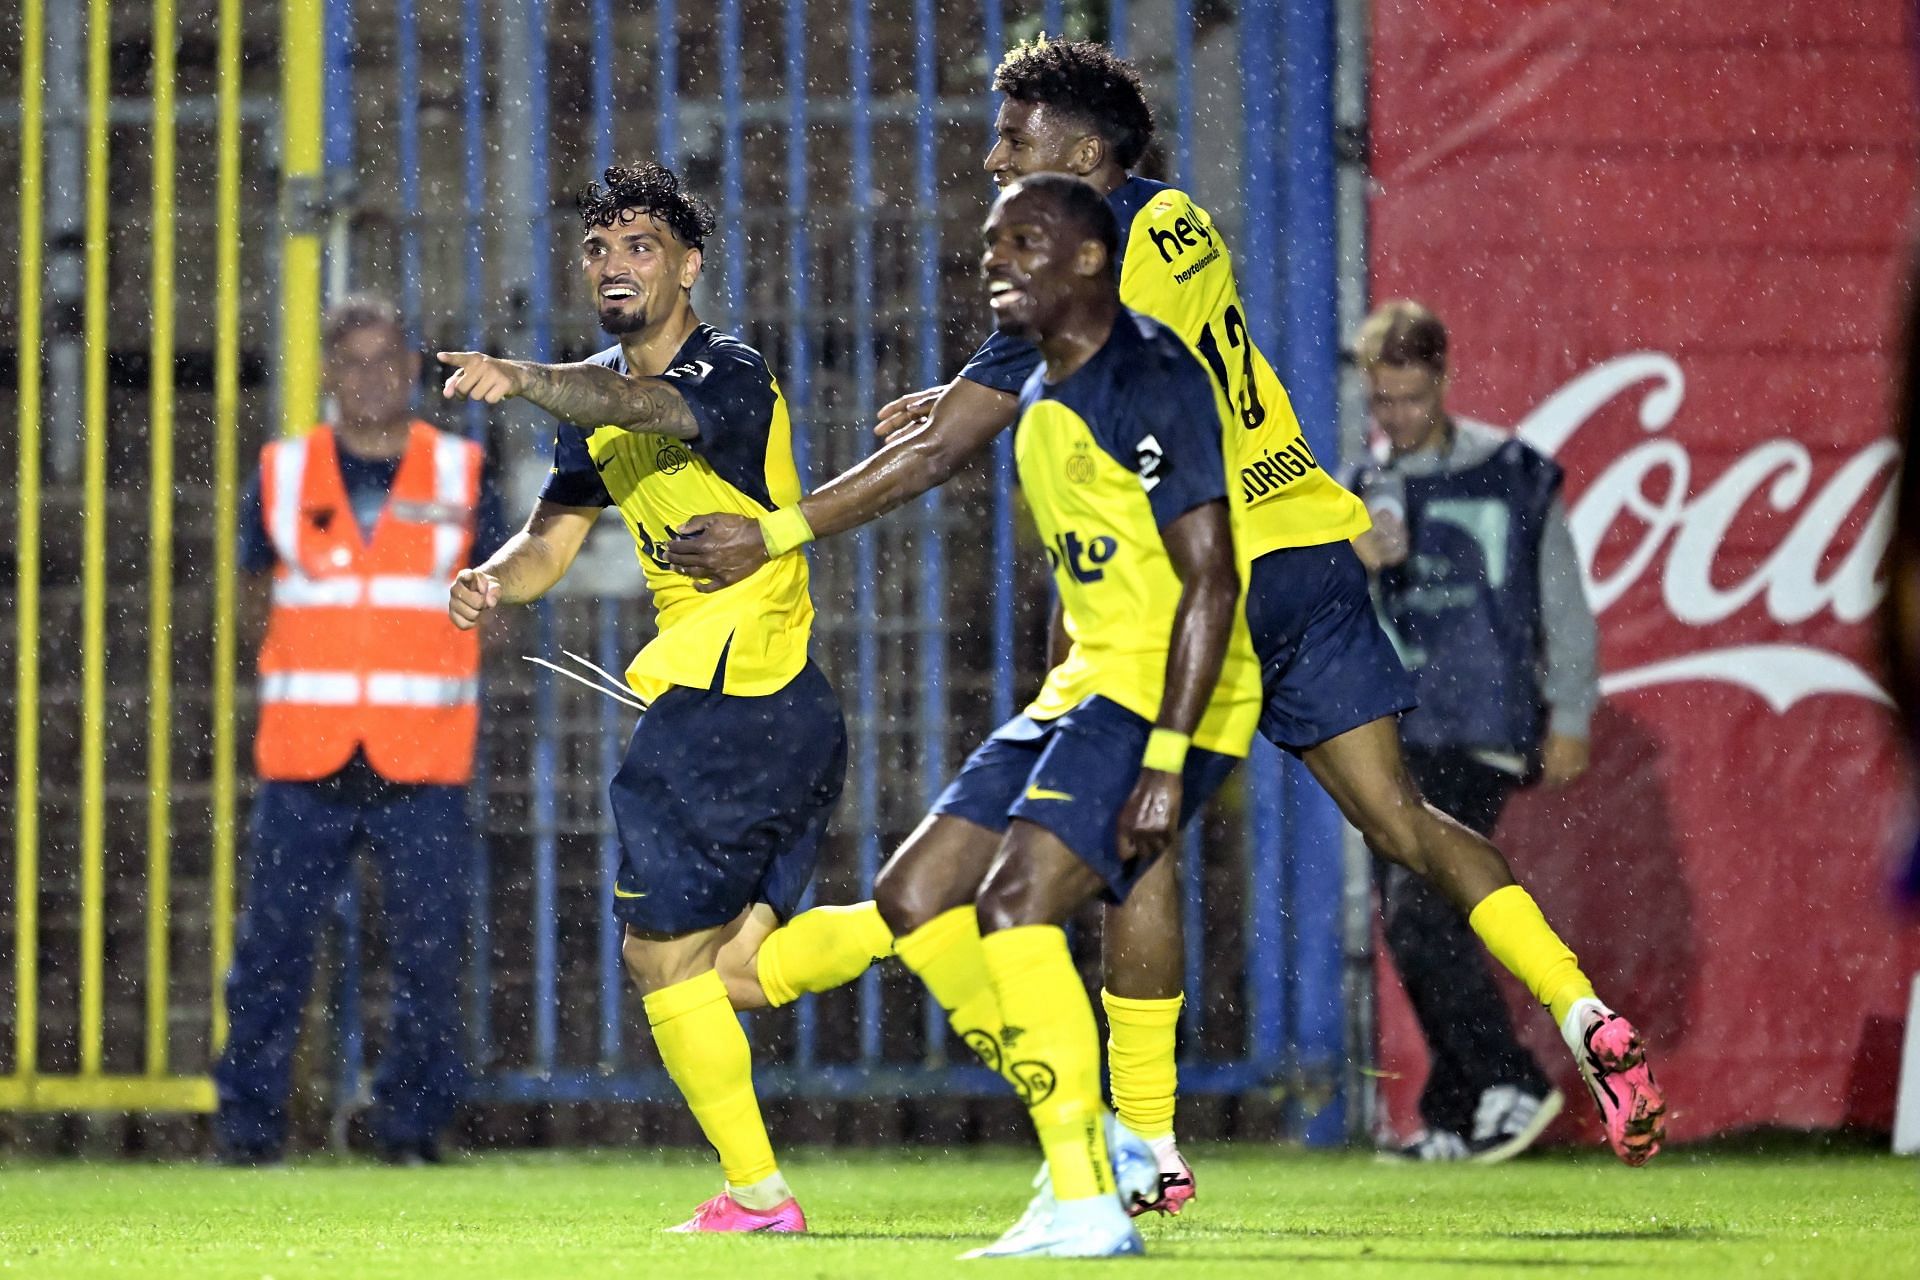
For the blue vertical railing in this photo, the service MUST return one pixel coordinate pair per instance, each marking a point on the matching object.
(606, 627)
(666, 80)
(1004, 549)
(930, 629)
(338, 150)
(1263, 233)
(546, 702)
(406, 76)
(797, 387)
(733, 201)
(473, 140)
(1309, 362)
(866, 770)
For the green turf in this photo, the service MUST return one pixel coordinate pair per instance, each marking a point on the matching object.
(905, 1216)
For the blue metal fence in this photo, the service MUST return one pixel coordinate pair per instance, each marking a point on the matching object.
(830, 294)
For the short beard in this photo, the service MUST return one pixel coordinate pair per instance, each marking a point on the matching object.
(620, 324)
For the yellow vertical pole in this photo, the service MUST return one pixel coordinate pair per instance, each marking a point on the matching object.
(226, 486)
(303, 160)
(93, 666)
(26, 618)
(160, 545)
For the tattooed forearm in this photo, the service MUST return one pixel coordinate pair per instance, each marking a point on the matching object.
(592, 395)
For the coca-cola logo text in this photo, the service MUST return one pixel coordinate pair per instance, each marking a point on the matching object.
(1680, 534)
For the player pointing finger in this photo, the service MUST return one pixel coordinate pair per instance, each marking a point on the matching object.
(478, 376)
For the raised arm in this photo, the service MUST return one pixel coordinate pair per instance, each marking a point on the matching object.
(587, 395)
(719, 550)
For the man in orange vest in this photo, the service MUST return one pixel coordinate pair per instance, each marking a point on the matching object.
(369, 707)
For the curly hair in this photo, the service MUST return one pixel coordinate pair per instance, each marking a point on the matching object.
(1087, 79)
(651, 189)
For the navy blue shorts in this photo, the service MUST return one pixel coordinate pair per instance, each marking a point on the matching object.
(1326, 664)
(722, 802)
(1072, 776)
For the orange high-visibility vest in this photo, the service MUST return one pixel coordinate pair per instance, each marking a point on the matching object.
(359, 650)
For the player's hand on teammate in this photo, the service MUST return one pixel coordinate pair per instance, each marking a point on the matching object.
(908, 411)
(718, 550)
(1151, 815)
(1384, 545)
(1563, 759)
(478, 376)
(470, 596)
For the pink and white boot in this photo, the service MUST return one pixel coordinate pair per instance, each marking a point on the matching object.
(724, 1213)
(1613, 1062)
(1176, 1180)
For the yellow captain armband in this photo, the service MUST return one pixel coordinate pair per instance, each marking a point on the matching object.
(785, 530)
(1166, 751)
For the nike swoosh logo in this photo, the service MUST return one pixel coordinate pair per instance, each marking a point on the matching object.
(1042, 793)
(618, 892)
(601, 464)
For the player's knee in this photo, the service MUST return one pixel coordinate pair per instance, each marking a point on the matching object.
(905, 900)
(1001, 906)
(655, 963)
(1396, 836)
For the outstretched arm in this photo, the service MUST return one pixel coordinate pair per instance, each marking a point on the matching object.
(587, 395)
(719, 550)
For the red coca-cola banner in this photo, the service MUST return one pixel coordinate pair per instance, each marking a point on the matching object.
(1668, 237)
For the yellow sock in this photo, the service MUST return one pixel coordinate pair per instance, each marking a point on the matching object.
(1053, 1052)
(1509, 922)
(1140, 1058)
(945, 952)
(705, 1051)
(821, 949)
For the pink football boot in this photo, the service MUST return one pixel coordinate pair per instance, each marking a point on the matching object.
(1176, 1183)
(724, 1213)
(1613, 1062)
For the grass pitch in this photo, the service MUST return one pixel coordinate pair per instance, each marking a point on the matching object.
(905, 1215)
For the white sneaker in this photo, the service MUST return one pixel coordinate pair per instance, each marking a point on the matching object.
(1093, 1228)
(1039, 1211)
(1508, 1120)
(1136, 1176)
(1431, 1146)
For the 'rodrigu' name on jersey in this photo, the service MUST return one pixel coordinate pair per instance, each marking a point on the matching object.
(1263, 479)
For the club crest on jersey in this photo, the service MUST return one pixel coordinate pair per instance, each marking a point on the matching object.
(1151, 462)
(671, 457)
(1080, 466)
(1081, 560)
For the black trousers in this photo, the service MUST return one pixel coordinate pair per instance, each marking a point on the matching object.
(1441, 961)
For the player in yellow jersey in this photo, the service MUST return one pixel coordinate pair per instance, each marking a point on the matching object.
(1078, 796)
(1333, 684)
(719, 822)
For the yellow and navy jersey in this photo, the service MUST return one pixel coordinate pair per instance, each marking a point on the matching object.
(741, 463)
(1175, 267)
(1109, 456)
